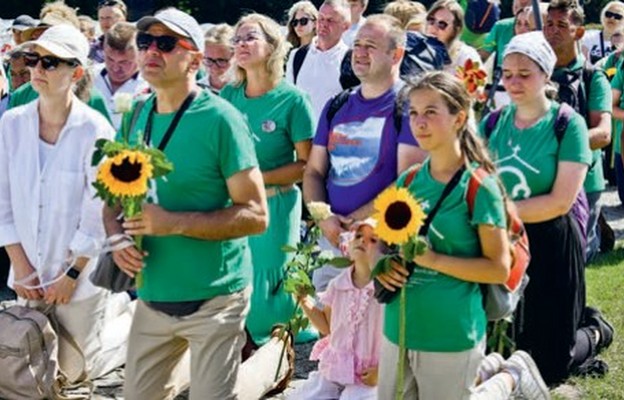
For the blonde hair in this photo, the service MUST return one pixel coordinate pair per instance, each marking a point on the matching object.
(612, 4)
(220, 34)
(306, 7)
(405, 11)
(275, 39)
(62, 11)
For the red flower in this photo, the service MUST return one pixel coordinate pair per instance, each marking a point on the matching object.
(472, 76)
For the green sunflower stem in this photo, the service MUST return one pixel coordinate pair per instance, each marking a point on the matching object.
(401, 367)
(132, 208)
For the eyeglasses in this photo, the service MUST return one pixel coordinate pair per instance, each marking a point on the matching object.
(303, 21)
(250, 37)
(164, 43)
(440, 24)
(49, 63)
(219, 62)
(615, 16)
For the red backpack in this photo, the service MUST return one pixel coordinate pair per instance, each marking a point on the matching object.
(500, 301)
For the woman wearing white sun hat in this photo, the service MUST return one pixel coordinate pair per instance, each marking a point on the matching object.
(50, 222)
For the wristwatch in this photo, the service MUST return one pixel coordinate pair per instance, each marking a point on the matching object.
(73, 273)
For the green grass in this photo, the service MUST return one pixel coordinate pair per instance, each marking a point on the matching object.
(605, 290)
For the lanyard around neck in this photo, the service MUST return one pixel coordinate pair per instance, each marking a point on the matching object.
(176, 120)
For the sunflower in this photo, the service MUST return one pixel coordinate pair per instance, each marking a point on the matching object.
(398, 215)
(126, 174)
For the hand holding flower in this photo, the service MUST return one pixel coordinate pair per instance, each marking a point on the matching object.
(153, 220)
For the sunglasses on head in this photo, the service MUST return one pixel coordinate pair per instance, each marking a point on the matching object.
(615, 16)
(440, 24)
(164, 43)
(219, 62)
(108, 3)
(49, 63)
(303, 21)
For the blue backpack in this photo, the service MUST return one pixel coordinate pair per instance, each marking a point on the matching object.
(481, 15)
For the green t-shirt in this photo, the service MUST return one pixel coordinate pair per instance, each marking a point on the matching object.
(498, 38)
(527, 159)
(26, 93)
(445, 314)
(618, 84)
(278, 119)
(599, 100)
(210, 144)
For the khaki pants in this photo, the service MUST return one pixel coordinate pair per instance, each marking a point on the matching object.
(429, 375)
(158, 351)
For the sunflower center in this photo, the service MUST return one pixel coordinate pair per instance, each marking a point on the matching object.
(398, 215)
(127, 172)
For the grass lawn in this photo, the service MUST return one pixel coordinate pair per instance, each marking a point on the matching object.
(605, 290)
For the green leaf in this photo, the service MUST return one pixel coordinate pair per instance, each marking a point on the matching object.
(409, 250)
(383, 265)
(340, 262)
(113, 148)
(288, 249)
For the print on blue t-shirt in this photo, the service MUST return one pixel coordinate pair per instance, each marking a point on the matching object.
(354, 150)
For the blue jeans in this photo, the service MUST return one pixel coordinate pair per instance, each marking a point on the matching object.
(619, 176)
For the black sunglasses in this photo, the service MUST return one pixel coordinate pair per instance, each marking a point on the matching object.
(440, 24)
(108, 3)
(615, 16)
(164, 43)
(303, 21)
(49, 63)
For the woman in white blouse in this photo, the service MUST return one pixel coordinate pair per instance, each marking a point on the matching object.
(50, 223)
(445, 22)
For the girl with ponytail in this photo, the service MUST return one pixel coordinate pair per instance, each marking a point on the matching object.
(445, 320)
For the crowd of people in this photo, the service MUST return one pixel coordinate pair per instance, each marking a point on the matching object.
(260, 120)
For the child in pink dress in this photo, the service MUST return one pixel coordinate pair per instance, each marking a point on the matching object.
(351, 319)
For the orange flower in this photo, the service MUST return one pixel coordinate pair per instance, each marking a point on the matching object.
(472, 76)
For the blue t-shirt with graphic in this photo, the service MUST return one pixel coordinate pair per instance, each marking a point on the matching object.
(362, 145)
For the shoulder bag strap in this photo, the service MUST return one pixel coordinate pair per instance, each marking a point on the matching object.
(447, 190)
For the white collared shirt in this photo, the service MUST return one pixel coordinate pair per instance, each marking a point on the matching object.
(349, 36)
(50, 209)
(135, 86)
(319, 75)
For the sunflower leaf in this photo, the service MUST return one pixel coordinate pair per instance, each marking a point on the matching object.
(382, 266)
(409, 249)
(112, 148)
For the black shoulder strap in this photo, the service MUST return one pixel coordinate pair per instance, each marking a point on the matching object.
(447, 190)
(299, 57)
(563, 119)
(491, 121)
(135, 117)
(336, 104)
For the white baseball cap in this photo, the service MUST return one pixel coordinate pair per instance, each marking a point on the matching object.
(179, 22)
(64, 41)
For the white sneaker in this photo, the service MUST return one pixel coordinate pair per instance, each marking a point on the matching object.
(489, 367)
(530, 386)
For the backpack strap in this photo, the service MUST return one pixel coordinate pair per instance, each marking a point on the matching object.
(491, 121)
(336, 104)
(411, 174)
(476, 177)
(298, 59)
(564, 115)
(341, 98)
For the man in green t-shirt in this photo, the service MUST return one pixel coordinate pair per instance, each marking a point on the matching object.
(196, 266)
(589, 93)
